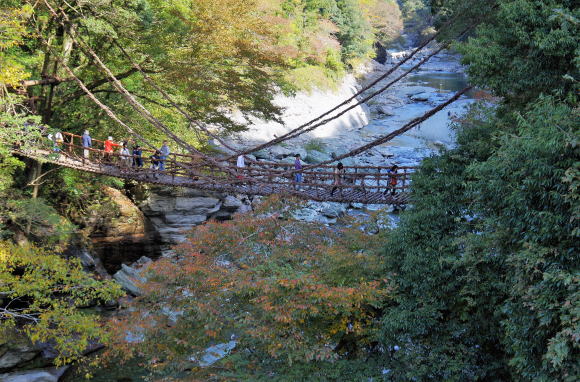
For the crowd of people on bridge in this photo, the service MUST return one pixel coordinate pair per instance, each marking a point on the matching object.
(128, 155)
(125, 153)
(338, 176)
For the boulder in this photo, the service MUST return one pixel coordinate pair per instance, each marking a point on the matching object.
(188, 204)
(16, 354)
(129, 277)
(214, 353)
(232, 203)
(385, 110)
(315, 156)
(185, 220)
(281, 152)
(333, 210)
(130, 220)
(41, 375)
(420, 97)
(87, 260)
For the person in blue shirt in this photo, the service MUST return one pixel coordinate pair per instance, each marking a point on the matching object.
(164, 150)
(87, 144)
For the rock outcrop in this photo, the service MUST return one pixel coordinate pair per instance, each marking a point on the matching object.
(13, 355)
(174, 211)
(40, 375)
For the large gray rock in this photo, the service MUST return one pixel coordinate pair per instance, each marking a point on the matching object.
(129, 277)
(188, 204)
(185, 220)
(16, 354)
(315, 156)
(41, 375)
(281, 152)
(333, 210)
(158, 203)
(385, 110)
(214, 353)
(232, 203)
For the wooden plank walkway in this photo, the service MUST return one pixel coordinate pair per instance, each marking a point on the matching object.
(359, 184)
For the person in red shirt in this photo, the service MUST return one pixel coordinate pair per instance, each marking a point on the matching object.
(109, 147)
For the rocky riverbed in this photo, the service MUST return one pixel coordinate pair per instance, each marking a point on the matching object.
(420, 91)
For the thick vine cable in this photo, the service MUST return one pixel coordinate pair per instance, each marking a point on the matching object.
(143, 111)
(379, 141)
(168, 98)
(93, 98)
(104, 107)
(136, 105)
(408, 126)
(161, 91)
(294, 133)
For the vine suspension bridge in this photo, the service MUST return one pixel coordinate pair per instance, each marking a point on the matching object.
(359, 184)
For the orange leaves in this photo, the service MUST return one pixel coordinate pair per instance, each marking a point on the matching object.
(288, 289)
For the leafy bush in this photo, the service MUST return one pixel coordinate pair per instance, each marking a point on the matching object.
(296, 296)
(40, 297)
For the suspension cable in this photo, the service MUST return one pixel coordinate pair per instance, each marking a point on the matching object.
(129, 97)
(294, 133)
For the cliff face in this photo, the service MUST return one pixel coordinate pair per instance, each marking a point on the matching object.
(174, 211)
(302, 107)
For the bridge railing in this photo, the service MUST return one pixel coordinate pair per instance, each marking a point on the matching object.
(256, 172)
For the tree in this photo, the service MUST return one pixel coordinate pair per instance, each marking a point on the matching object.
(41, 295)
(296, 297)
(527, 48)
(493, 224)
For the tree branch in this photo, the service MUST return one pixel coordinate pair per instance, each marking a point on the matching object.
(95, 84)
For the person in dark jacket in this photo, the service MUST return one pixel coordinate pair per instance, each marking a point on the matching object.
(137, 158)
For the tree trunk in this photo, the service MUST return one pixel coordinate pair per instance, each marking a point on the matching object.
(34, 176)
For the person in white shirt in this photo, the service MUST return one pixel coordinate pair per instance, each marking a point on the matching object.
(126, 158)
(241, 163)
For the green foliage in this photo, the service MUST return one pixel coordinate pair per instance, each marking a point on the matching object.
(39, 220)
(486, 262)
(527, 48)
(530, 223)
(315, 145)
(40, 297)
(493, 229)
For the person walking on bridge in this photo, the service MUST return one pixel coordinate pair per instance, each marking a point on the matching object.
(109, 147)
(164, 150)
(87, 144)
(298, 166)
(137, 158)
(392, 180)
(58, 141)
(126, 155)
(338, 175)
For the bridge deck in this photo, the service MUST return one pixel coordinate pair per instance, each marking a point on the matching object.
(359, 184)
